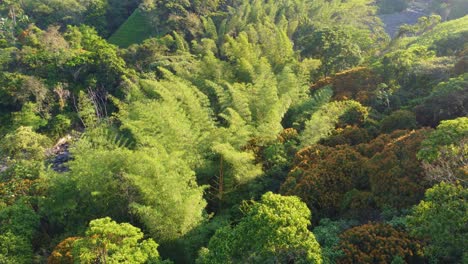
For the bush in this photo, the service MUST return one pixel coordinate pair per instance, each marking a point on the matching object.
(400, 119)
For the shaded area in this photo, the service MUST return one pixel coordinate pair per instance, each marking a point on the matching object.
(408, 16)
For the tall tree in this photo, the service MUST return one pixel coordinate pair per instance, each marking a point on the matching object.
(272, 230)
(441, 217)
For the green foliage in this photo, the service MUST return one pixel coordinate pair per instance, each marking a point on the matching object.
(170, 203)
(400, 119)
(60, 124)
(25, 144)
(447, 134)
(87, 110)
(441, 217)
(96, 179)
(302, 110)
(18, 90)
(20, 220)
(103, 66)
(397, 64)
(24, 151)
(424, 24)
(110, 242)
(48, 12)
(15, 249)
(199, 112)
(133, 31)
(446, 101)
(328, 235)
(111, 180)
(350, 135)
(28, 117)
(324, 121)
(272, 230)
(179, 120)
(18, 227)
(335, 47)
(446, 30)
(186, 249)
(239, 166)
(118, 11)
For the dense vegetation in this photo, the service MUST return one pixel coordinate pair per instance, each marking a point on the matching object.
(234, 131)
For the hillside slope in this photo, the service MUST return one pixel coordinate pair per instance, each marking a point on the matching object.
(136, 29)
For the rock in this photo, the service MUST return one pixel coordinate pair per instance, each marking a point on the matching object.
(59, 155)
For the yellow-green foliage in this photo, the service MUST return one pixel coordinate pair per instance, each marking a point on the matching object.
(273, 230)
(443, 31)
(442, 217)
(110, 242)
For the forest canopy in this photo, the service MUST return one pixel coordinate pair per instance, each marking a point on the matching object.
(233, 131)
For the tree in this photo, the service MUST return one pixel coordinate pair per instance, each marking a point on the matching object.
(106, 241)
(451, 165)
(358, 83)
(444, 152)
(272, 230)
(448, 133)
(350, 135)
(28, 117)
(62, 253)
(323, 122)
(334, 47)
(396, 176)
(400, 119)
(323, 175)
(24, 143)
(441, 218)
(18, 227)
(24, 151)
(446, 101)
(378, 243)
(15, 249)
(328, 235)
(108, 179)
(94, 61)
(67, 12)
(169, 202)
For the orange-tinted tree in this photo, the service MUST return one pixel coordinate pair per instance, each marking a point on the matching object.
(350, 135)
(378, 243)
(395, 174)
(323, 175)
(62, 253)
(357, 83)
